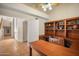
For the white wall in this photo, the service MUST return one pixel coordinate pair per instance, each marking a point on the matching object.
(34, 29)
(11, 25)
(23, 16)
(1, 30)
(65, 10)
(41, 26)
(1, 34)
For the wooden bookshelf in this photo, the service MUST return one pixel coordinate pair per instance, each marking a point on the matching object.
(73, 32)
(66, 28)
(49, 29)
(59, 28)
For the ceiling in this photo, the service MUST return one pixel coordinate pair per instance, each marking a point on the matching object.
(38, 6)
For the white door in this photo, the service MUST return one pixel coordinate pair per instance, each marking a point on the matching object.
(33, 30)
(25, 31)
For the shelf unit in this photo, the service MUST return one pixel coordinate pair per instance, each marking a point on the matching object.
(59, 28)
(49, 29)
(66, 28)
(72, 28)
(73, 32)
(54, 28)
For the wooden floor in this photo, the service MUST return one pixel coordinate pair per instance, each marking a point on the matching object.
(11, 47)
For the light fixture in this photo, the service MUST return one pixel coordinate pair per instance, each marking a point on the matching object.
(46, 6)
(42, 6)
(44, 9)
(50, 8)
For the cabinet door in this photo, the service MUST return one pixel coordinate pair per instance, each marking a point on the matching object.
(75, 45)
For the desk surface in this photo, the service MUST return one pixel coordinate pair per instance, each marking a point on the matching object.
(51, 49)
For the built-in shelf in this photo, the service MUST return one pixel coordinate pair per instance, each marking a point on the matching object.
(66, 28)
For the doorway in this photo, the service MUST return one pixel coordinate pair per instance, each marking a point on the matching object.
(24, 31)
(7, 27)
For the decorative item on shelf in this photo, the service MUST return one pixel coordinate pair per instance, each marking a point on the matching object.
(75, 26)
(77, 21)
(70, 28)
(71, 22)
(61, 27)
(49, 25)
(61, 23)
(74, 22)
(68, 23)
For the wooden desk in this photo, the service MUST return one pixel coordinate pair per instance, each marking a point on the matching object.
(50, 49)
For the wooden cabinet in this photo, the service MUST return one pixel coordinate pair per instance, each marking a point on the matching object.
(73, 32)
(41, 37)
(66, 29)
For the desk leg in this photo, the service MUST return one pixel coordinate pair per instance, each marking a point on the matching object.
(30, 51)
